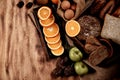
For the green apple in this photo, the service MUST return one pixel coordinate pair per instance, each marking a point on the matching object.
(75, 54)
(80, 68)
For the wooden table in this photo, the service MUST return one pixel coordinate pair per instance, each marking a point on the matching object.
(21, 53)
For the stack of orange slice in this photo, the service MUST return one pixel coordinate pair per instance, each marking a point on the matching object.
(50, 30)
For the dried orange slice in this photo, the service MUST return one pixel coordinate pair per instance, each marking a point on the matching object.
(51, 31)
(47, 22)
(55, 46)
(72, 28)
(52, 40)
(58, 52)
(44, 12)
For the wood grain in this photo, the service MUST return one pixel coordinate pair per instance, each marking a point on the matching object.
(21, 54)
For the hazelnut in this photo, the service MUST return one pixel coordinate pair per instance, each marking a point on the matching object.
(65, 5)
(69, 14)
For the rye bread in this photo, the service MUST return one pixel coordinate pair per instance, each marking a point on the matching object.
(90, 26)
(97, 56)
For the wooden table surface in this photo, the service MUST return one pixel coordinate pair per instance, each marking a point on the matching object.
(21, 53)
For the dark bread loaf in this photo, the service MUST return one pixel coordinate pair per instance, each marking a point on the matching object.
(97, 56)
(90, 26)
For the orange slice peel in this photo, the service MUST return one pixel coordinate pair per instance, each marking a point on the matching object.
(44, 12)
(51, 31)
(58, 52)
(55, 46)
(72, 28)
(47, 22)
(52, 40)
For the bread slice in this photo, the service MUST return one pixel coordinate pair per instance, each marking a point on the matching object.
(111, 28)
